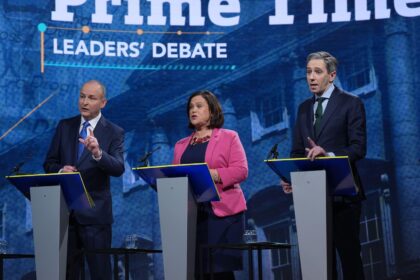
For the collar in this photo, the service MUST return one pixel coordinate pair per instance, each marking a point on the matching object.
(327, 93)
(93, 122)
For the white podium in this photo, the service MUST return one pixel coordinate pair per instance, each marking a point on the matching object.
(52, 196)
(179, 188)
(313, 216)
(314, 183)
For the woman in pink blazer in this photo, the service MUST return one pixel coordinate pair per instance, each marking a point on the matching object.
(221, 149)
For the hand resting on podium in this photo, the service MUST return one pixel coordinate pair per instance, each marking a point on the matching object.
(314, 150)
(68, 168)
(287, 188)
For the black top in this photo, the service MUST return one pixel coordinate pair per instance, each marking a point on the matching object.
(195, 153)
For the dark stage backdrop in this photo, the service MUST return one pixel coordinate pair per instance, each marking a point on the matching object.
(152, 54)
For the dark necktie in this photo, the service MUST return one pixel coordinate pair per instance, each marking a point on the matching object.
(318, 114)
(83, 135)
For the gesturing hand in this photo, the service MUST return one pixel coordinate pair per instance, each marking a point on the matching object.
(314, 150)
(91, 143)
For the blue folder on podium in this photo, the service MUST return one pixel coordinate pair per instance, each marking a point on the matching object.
(198, 174)
(72, 186)
(339, 174)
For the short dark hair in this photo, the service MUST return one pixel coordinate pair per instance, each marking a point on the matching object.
(216, 114)
(330, 61)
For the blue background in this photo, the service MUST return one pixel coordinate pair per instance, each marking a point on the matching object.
(260, 85)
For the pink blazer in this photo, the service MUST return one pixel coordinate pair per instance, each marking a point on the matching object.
(226, 154)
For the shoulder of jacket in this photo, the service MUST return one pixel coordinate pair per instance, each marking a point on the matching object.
(70, 120)
(224, 132)
(349, 97)
(116, 127)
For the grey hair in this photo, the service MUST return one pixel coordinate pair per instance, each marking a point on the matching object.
(101, 86)
(330, 61)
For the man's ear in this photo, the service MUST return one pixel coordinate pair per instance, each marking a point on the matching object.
(332, 75)
(104, 101)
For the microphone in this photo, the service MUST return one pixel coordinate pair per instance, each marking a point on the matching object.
(16, 169)
(145, 158)
(273, 154)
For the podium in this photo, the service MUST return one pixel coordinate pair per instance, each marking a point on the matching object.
(180, 188)
(52, 197)
(314, 183)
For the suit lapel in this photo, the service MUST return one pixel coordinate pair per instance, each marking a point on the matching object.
(74, 139)
(183, 144)
(332, 105)
(100, 129)
(215, 137)
(310, 118)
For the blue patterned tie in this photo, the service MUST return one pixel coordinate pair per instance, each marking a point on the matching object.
(83, 135)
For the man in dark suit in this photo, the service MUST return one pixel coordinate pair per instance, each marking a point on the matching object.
(93, 146)
(333, 123)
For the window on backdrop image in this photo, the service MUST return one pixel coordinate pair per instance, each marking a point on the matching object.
(357, 74)
(269, 109)
(269, 113)
(372, 239)
(279, 231)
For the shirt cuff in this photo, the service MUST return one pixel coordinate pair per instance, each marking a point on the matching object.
(99, 157)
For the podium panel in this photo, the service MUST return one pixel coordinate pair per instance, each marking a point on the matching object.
(180, 187)
(178, 220)
(313, 214)
(314, 183)
(52, 196)
(50, 231)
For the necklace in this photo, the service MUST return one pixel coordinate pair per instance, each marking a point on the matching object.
(198, 140)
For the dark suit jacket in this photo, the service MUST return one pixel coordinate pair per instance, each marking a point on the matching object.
(95, 174)
(342, 130)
